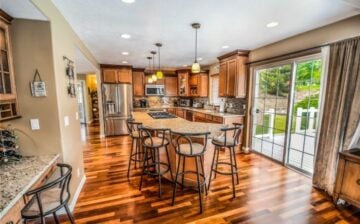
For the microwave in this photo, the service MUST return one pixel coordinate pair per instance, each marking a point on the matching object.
(154, 90)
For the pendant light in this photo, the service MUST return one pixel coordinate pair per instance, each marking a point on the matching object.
(159, 73)
(195, 68)
(154, 78)
(149, 79)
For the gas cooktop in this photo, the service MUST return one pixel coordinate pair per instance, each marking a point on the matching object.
(161, 115)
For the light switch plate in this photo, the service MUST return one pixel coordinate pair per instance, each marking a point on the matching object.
(34, 123)
(66, 121)
(77, 115)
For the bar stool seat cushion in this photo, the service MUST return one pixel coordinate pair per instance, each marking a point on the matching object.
(196, 148)
(156, 142)
(135, 134)
(50, 199)
(221, 141)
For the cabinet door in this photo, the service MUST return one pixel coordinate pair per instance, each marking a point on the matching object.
(180, 113)
(171, 86)
(231, 78)
(183, 83)
(138, 83)
(203, 89)
(351, 181)
(222, 79)
(124, 75)
(194, 80)
(109, 75)
(241, 78)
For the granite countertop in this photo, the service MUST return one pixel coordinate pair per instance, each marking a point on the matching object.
(17, 177)
(179, 124)
(201, 110)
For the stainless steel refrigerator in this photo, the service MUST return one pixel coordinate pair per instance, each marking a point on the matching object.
(117, 107)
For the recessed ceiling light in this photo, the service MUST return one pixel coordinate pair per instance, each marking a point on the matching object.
(128, 1)
(125, 53)
(125, 36)
(124, 62)
(272, 24)
(225, 47)
(185, 65)
(199, 59)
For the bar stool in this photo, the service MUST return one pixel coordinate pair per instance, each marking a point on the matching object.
(133, 128)
(49, 198)
(185, 148)
(152, 145)
(229, 143)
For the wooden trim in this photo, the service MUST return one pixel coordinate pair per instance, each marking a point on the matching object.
(115, 66)
(5, 17)
(237, 52)
(138, 69)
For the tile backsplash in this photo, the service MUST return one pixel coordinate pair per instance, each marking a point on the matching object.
(233, 105)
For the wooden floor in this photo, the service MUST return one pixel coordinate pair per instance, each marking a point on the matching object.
(267, 193)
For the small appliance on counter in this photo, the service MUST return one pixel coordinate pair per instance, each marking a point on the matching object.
(185, 102)
(144, 103)
(197, 105)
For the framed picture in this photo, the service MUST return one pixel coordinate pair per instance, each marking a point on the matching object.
(37, 86)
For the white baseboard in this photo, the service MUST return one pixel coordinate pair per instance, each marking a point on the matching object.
(77, 193)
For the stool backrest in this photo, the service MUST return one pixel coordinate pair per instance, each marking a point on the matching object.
(237, 128)
(149, 133)
(181, 139)
(133, 126)
(62, 183)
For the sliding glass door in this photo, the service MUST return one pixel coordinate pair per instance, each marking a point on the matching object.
(286, 110)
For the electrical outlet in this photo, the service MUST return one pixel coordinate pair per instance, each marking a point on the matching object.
(78, 172)
(34, 123)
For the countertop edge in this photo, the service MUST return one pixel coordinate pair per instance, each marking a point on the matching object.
(25, 189)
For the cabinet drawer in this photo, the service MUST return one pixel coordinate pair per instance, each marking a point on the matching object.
(351, 181)
(218, 119)
(208, 117)
(171, 111)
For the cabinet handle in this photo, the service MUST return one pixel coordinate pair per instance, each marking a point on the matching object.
(358, 181)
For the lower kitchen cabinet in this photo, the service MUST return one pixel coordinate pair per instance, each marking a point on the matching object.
(180, 113)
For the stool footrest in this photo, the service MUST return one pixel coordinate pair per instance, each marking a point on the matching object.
(225, 173)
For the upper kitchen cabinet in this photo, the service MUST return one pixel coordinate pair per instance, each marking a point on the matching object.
(199, 84)
(232, 74)
(171, 85)
(183, 82)
(8, 101)
(138, 80)
(116, 74)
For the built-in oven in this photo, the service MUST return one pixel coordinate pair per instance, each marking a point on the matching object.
(154, 90)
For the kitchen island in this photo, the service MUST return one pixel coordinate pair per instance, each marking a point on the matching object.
(181, 125)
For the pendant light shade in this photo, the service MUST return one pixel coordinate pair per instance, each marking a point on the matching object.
(159, 73)
(195, 68)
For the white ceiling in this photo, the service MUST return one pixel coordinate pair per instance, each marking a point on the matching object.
(241, 24)
(82, 64)
(23, 9)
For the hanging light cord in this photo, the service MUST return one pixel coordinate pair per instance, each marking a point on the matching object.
(153, 63)
(159, 58)
(196, 45)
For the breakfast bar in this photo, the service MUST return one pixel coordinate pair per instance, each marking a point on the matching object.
(181, 125)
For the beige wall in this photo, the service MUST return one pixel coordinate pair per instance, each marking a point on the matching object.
(31, 44)
(337, 31)
(64, 43)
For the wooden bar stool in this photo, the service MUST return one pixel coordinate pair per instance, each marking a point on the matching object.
(185, 148)
(49, 198)
(230, 143)
(152, 145)
(133, 128)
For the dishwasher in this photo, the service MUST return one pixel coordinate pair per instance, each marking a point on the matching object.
(189, 115)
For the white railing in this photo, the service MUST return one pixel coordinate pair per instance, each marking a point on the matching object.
(311, 112)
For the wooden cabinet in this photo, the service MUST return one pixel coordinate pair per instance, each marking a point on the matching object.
(199, 85)
(232, 74)
(183, 83)
(171, 85)
(180, 113)
(8, 97)
(171, 111)
(116, 74)
(138, 80)
(347, 186)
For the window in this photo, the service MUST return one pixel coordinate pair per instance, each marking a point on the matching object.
(214, 90)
